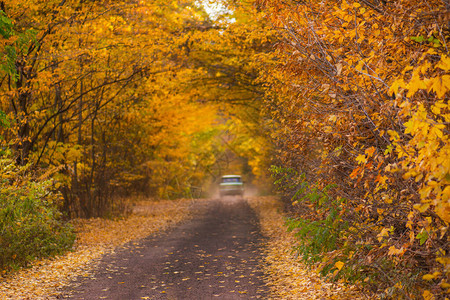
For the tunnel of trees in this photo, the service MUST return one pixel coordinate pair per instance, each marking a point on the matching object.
(342, 104)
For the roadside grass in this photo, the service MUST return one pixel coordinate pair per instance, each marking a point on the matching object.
(95, 238)
(286, 276)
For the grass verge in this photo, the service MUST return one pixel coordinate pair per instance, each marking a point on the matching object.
(286, 275)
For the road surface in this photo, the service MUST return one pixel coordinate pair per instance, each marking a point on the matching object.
(215, 255)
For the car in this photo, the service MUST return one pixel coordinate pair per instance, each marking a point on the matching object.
(231, 185)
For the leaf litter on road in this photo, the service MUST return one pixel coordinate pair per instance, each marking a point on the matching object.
(286, 276)
(95, 237)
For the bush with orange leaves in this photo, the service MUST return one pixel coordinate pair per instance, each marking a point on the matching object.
(360, 103)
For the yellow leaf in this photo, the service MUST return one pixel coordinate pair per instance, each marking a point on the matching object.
(339, 265)
(444, 64)
(361, 159)
(384, 233)
(414, 85)
(443, 208)
(427, 295)
(439, 85)
(431, 276)
(421, 207)
(399, 83)
(394, 251)
(428, 277)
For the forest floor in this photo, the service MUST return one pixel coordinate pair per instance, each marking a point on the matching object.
(194, 250)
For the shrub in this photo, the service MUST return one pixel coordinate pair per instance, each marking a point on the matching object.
(30, 223)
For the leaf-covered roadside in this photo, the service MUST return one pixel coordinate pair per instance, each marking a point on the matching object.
(287, 276)
(95, 237)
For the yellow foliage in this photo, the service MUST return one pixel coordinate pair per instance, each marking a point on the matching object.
(360, 100)
(339, 265)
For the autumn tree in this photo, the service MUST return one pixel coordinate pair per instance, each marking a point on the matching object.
(360, 108)
(93, 99)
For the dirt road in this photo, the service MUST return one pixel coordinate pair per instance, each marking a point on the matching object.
(213, 256)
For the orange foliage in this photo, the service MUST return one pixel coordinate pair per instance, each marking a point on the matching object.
(360, 100)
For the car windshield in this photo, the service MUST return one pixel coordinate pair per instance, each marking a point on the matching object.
(235, 179)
